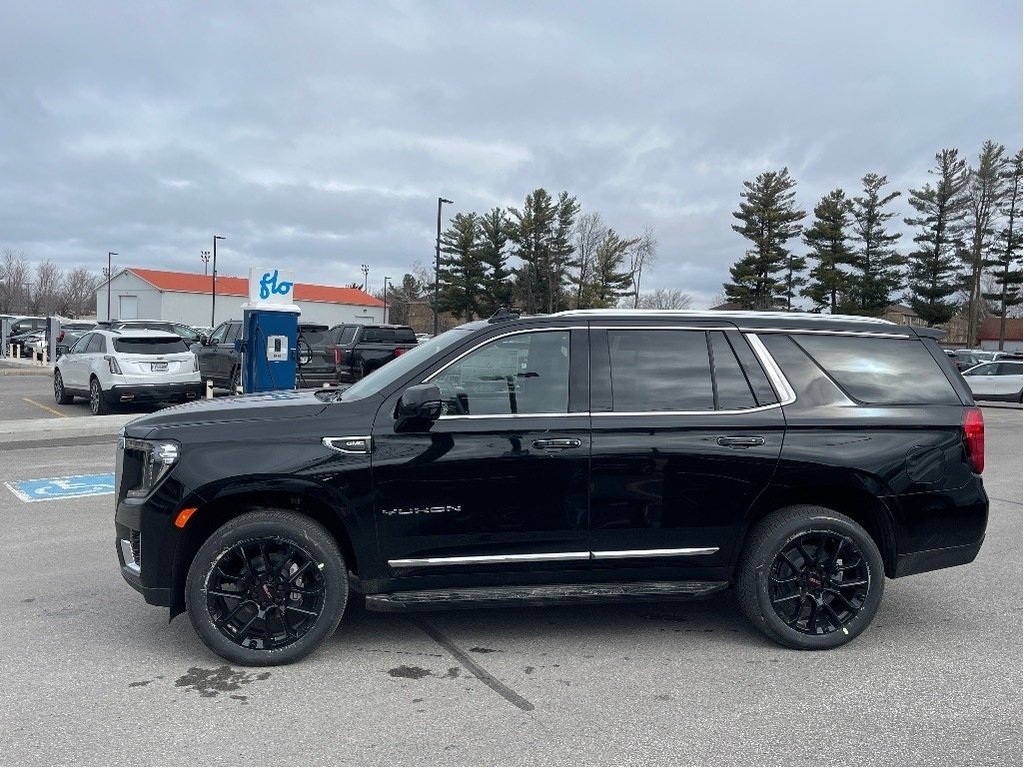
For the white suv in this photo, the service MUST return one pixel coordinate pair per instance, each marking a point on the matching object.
(126, 366)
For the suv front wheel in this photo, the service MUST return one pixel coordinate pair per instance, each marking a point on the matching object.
(810, 578)
(268, 587)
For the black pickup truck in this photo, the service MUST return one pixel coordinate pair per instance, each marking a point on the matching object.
(361, 349)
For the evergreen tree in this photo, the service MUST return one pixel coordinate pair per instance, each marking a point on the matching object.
(497, 284)
(1006, 262)
(530, 232)
(986, 187)
(462, 273)
(609, 280)
(828, 238)
(934, 266)
(765, 277)
(876, 262)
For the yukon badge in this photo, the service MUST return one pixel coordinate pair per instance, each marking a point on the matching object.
(423, 510)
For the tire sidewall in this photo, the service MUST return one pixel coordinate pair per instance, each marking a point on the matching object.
(290, 527)
(767, 550)
(96, 404)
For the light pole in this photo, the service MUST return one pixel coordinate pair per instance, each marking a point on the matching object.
(437, 256)
(205, 256)
(213, 304)
(366, 271)
(386, 278)
(110, 277)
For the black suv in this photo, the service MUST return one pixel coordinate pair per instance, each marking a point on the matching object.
(578, 456)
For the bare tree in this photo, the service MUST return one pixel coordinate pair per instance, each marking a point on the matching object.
(641, 255)
(14, 282)
(589, 232)
(662, 298)
(48, 288)
(78, 292)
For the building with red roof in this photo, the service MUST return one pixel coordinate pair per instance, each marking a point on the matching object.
(988, 334)
(186, 297)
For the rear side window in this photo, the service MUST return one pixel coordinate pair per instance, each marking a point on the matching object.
(733, 390)
(97, 343)
(657, 370)
(880, 371)
(1010, 369)
(344, 336)
(149, 345)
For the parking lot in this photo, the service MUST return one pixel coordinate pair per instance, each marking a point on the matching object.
(93, 675)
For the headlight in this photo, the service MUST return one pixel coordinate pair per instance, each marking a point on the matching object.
(152, 460)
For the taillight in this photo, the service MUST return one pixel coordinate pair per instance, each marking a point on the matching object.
(112, 365)
(399, 350)
(60, 337)
(337, 356)
(974, 438)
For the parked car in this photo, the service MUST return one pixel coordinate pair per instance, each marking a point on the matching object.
(219, 361)
(70, 332)
(126, 366)
(187, 332)
(1000, 380)
(589, 455)
(32, 343)
(21, 328)
(316, 357)
(362, 349)
(964, 358)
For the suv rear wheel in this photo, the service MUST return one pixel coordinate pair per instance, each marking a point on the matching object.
(97, 402)
(268, 587)
(810, 578)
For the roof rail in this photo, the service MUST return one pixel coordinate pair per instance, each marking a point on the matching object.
(744, 314)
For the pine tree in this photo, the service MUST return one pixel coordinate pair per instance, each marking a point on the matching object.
(934, 266)
(770, 219)
(491, 249)
(609, 280)
(1006, 262)
(828, 238)
(530, 232)
(876, 262)
(986, 187)
(462, 273)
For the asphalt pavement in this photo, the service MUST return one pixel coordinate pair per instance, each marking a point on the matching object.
(92, 675)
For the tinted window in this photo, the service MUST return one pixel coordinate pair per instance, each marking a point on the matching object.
(525, 373)
(982, 370)
(731, 384)
(149, 345)
(660, 371)
(756, 376)
(1010, 369)
(880, 371)
(315, 337)
(82, 344)
(378, 335)
(343, 335)
(97, 343)
(217, 337)
(405, 336)
(234, 331)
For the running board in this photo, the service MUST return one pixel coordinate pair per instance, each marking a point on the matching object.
(541, 594)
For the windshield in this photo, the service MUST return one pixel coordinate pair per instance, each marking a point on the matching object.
(401, 365)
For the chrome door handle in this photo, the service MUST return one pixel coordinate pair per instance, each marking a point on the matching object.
(741, 441)
(557, 444)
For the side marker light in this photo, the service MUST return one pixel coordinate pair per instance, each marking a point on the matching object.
(183, 516)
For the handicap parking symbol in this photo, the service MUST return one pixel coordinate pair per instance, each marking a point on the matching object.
(72, 487)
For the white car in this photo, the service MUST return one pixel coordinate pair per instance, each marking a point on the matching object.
(127, 366)
(999, 380)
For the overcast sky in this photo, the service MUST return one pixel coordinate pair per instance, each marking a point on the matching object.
(318, 136)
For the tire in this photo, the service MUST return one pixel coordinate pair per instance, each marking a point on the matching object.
(270, 623)
(236, 381)
(810, 578)
(97, 402)
(59, 393)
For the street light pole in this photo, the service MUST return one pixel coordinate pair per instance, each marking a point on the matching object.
(437, 257)
(205, 256)
(366, 271)
(110, 277)
(213, 304)
(386, 278)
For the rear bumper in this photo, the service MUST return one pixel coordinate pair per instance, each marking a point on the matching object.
(154, 393)
(934, 559)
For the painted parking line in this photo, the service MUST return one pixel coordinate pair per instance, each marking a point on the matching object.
(71, 487)
(46, 408)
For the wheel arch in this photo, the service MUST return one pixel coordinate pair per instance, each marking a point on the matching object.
(234, 502)
(866, 509)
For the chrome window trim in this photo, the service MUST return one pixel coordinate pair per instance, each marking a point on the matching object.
(367, 440)
(471, 416)
(485, 559)
(785, 392)
(622, 554)
(712, 412)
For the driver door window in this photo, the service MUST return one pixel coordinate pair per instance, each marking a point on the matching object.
(527, 373)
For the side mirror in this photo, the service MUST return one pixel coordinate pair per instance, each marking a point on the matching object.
(418, 408)
(204, 339)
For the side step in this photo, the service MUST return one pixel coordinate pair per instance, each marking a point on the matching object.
(541, 594)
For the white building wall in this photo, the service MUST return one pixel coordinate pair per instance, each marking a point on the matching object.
(1008, 345)
(147, 297)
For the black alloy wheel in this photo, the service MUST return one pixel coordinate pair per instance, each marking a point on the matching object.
(268, 587)
(59, 393)
(97, 404)
(819, 582)
(810, 578)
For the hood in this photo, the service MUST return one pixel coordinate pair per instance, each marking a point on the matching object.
(262, 406)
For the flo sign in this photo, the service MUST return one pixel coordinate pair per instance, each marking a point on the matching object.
(270, 287)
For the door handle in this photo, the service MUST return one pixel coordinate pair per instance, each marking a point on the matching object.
(741, 441)
(557, 444)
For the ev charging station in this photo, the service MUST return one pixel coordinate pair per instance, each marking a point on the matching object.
(270, 330)
(52, 332)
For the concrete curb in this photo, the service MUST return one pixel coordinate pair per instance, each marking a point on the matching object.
(24, 368)
(34, 430)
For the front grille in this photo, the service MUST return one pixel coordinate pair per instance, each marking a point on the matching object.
(135, 539)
